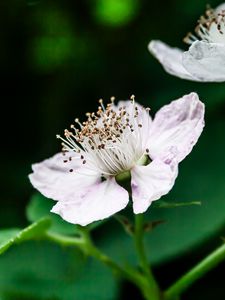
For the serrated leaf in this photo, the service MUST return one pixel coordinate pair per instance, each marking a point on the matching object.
(7, 234)
(13, 236)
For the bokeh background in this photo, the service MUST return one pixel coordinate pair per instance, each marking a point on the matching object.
(57, 58)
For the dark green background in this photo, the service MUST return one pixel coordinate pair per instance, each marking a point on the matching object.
(57, 58)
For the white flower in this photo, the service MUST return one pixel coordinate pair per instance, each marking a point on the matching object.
(205, 59)
(113, 142)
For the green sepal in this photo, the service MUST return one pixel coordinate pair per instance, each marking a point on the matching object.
(149, 226)
(164, 204)
(125, 222)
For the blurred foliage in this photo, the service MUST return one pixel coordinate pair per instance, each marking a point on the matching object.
(52, 47)
(57, 58)
(115, 12)
(42, 270)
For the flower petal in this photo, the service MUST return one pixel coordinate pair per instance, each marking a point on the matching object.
(100, 201)
(171, 59)
(150, 182)
(206, 61)
(219, 8)
(54, 180)
(177, 125)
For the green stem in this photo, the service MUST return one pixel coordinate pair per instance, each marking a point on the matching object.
(208, 263)
(86, 245)
(64, 240)
(152, 291)
(95, 252)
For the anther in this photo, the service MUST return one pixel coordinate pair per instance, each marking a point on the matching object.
(101, 103)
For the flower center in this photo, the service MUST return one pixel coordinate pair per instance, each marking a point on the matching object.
(210, 28)
(110, 140)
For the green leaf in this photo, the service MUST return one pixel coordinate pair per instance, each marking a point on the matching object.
(9, 237)
(96, 224)
(45, 271)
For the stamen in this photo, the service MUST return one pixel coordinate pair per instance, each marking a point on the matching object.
(78, 122)
(210, 28)
(102, 104)
(112, 138)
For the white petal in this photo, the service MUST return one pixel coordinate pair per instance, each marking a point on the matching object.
(151, 182)
(171, 59)
(54, 180)
(206, 61)
(219, 8)
(177, 125)
(100, 201)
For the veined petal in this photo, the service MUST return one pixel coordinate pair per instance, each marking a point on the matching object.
(99, 201)
(177, 125)
(150, 182)
(171, 59)
(54, 180)
(206, 61)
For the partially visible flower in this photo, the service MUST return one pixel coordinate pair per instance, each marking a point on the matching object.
(205, 59)
(115, 142)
